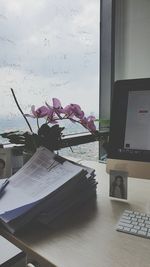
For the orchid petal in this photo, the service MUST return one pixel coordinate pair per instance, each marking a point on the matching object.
(50, 109)
(77, 111)
(68, 111)
(42, 112)
(91, 126)
(33, 110)
(56, 103)
(91, 118)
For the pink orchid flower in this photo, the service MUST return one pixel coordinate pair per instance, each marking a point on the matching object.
(68, 111)
(57, 107)
(52, 118)
(74, 110)
(39, 112)
(56, 103)
(89, 123)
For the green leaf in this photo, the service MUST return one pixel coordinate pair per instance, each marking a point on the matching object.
(103, 122)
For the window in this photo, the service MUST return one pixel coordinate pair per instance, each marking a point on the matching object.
(50, 49)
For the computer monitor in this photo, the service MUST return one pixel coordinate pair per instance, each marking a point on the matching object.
(129, 143)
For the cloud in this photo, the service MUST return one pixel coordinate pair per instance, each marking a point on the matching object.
(50, 49)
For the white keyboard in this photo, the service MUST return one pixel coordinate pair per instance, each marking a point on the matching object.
(135, 223)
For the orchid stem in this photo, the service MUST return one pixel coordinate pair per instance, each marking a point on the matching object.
(21, 110)
(38, 123)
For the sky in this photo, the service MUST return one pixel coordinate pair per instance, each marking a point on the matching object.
(49, 48)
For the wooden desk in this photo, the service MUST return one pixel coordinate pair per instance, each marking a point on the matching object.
(89, 238)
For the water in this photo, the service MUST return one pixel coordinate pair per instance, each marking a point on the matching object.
(89, 151)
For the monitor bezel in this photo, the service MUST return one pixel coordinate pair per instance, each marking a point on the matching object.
(118, 118)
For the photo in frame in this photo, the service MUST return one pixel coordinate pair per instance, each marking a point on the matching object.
(118, 184)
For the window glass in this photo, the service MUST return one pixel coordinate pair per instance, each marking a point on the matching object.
(48, 49)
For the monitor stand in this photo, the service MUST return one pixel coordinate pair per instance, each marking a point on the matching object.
(136, 169)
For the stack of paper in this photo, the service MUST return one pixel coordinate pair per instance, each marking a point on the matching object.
(44, 188)
(74, 196)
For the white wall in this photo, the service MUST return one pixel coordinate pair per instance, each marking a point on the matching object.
(132, 53)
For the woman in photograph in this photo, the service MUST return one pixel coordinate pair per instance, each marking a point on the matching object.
(117, 189)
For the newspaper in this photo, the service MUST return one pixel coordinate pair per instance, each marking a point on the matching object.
(38, 178)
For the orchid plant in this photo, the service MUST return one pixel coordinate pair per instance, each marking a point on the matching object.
(56, 112)
(49, 133)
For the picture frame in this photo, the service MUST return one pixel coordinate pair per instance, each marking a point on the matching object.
(118, 184)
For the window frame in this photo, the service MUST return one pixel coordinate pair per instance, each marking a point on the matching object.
(107, 66)
(106, 76)
(107, 56)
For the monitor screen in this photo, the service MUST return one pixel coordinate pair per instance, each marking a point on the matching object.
(137, 127)
(130, 122)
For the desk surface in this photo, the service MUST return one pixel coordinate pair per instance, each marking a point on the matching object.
(89, 237)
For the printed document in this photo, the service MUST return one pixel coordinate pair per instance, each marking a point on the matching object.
(38, 178)
(137, 124)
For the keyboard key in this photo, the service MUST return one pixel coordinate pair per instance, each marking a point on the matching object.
(145, 218)
(144, 229)
(142, 233)
(138, 217)
(136, 223)
(134, 219)
(137, 227)
(141, 224)
(125, 221)
(125, 217)
(140, 220)
(128, 211)
(134, 231)
(120, 227)
(132, 215)
(142, 214)
(126, 229)
(126, 225)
